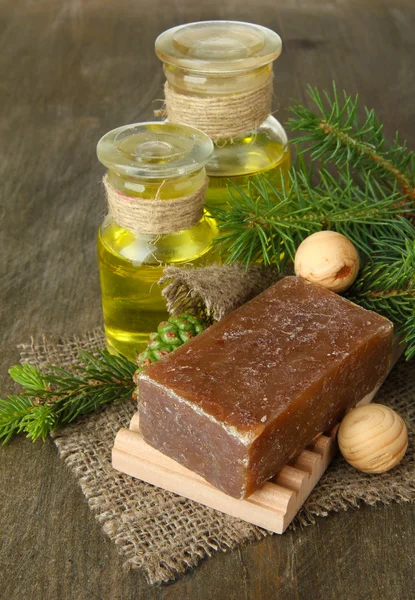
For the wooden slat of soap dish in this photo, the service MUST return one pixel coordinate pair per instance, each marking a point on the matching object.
(273, 507)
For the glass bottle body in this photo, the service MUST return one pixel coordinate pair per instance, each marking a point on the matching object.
(131, 264)
(235, 162)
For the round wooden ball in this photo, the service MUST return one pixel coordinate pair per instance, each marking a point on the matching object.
(373, 438)
(329, 259)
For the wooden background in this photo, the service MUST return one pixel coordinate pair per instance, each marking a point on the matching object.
(70, 71)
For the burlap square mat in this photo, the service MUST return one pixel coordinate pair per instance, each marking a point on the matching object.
(160, 532)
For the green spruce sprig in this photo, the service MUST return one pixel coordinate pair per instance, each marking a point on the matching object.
(267, 225)
(57, 397)
(334, 133)
(386, 284)
(368, 197)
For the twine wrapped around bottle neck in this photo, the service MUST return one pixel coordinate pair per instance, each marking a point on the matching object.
(220, 117)
(155, 216)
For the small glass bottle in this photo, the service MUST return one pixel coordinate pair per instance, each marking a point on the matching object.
(155, 187)
(226, 68)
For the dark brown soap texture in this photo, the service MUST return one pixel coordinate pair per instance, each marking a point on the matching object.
(248, 394)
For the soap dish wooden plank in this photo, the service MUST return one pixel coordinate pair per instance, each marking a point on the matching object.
(273, 507)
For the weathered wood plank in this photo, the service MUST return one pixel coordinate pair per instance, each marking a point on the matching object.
(70, 71)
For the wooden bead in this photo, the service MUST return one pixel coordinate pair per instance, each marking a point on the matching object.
(329, 259)
(373, 438)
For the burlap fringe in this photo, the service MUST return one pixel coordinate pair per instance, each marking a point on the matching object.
(155, 216)
(220, 117)
(162, 533)
(216, 289)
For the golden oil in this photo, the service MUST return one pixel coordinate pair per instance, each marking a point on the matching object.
(131, 262)
(130, 267)
(260, 156)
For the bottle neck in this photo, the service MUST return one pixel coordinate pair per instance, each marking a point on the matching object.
(160, 189)
(185, 81)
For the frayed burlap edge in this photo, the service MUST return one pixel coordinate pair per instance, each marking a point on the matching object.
(217, 289)
(164, 534)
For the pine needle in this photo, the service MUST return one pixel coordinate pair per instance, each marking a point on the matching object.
(13, 410)
(387, 286)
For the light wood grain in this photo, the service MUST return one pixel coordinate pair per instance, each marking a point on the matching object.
(272, 507)
(373, 438)
(70, 70)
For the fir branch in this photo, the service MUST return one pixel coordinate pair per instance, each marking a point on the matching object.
(29, 377)
(102, 379)
(334, 134)
(267, 225)
(58, 396)
(387, 286)
(13, 410)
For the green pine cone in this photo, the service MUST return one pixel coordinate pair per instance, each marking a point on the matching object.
(170, 334)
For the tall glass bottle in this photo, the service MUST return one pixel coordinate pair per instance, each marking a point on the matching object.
(155, 186)
(224, 68)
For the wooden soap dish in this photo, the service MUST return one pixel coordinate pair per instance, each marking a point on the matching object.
(273, 507)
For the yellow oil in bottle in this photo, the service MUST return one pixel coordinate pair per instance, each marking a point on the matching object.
(238, 162)
(130, 267)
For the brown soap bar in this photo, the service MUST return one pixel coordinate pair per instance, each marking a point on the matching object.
(249, 393)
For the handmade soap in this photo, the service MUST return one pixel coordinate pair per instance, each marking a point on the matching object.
(242, 398)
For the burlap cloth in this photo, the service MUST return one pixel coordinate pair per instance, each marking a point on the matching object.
(162, 533)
